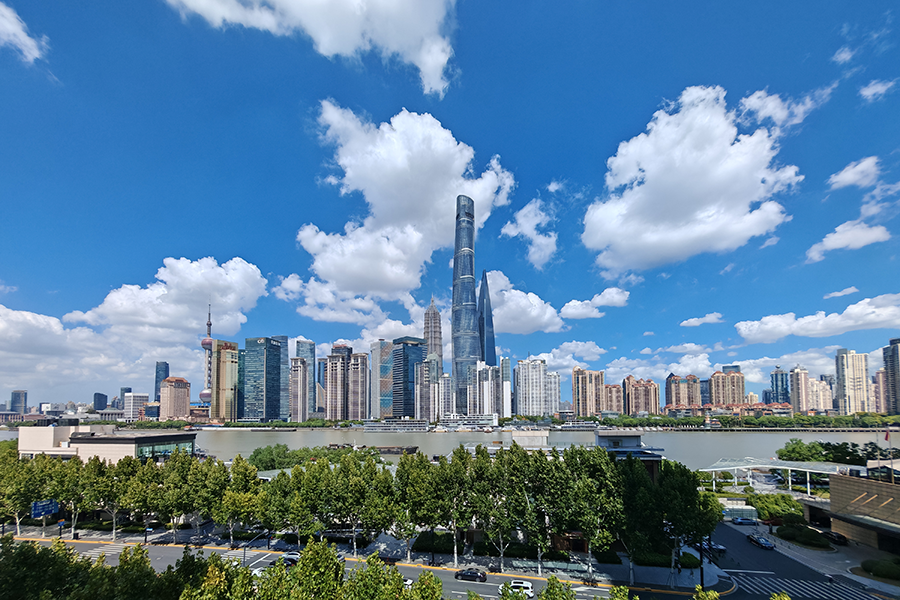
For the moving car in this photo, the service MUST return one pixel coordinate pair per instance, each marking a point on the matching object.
(471, 575)
(518, 585)
(743, 521)
(835, 538)
(760, 541)
(407, 582)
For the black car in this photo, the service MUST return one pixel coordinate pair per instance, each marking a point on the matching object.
(835, 538)
(760, 541)
(471, 575)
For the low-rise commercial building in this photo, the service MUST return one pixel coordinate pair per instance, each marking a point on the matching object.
(103, 441)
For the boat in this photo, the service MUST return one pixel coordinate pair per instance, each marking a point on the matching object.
(397, 449)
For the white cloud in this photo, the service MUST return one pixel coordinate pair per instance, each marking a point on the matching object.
(565, 357)
(413, 30)
(690, 184)
(851, 235)
(818, 361)
(541, 246)
(7, 289)
(871, 313)
(555, 186)
(646, 333)
(687, 348)
(843, 55)
(862, 173)
(132, 328)
(728, 268)
(647, 350)
(771, 241)
(876, 89)
(844, 292)
(785, 112)
(587, 309)
(14, 33)
(706, 319)
(688, 364)
(516, 311)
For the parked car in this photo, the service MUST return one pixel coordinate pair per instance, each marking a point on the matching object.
(835, 538)
(471, 575)
(518, 585)
(291, 556)
(743, 521)
(760, 541)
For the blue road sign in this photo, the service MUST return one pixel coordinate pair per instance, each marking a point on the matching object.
(43, 508)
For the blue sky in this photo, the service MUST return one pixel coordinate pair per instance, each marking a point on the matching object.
(659, 187)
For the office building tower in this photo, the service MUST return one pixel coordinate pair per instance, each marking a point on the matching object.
(241, 409)
(799, 389)
(731, 368)
(879, 389)
(222, 381)
(358, 393)
(587, 392)
(262, 379)
(406, 353)
(485, 393)
(506, 382)
(613, 399)
(767, 396)
(18, 402)
(752, 398)
(446, 402)
(299, 389)
(306, 349)
(99, 401)
(433, 337)
(704, 392)
(819, 395)
(464, 309)
(781, 393)
(337, 382)
(162, 371)
(321, 368)
(534, 388)
(829, 379)
(285, 404)
(851, 381)
(122, 392)
(640, 396)
(891, 355)
(554, 391)
(726, 388)
(174, 399)
(683, 391)
(485, 316)
(134, 406)
(428, 393)
(381, 400)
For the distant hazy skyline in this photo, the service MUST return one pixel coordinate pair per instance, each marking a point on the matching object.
(659, 188)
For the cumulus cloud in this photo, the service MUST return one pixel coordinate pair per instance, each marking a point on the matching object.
(862, 173)
(516, 311)
(707, 318)
(818, 361)
(851, 235)
(690, 184)
(653, 368)
(785, 112)
(7, 289)
(876, 89)
(118, 342)
(555, 186)
(412, 30)
(687, 348)
(844, 292)
(409, 171)
(565, 357)
(872, 313)
(647, 350)
(843, 55)
(541, 246)
(14, 34)
(587, 309)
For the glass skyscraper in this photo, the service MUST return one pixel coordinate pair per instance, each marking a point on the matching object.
(306, 349)
(381, 400)
(464, 310)
(285, 411)
(407, 352)
(162, 372)
(18, 402)
(99, 401)
(262, 379)
(781, 386)
(486, 324)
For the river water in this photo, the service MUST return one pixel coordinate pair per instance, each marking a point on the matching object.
(696, 449)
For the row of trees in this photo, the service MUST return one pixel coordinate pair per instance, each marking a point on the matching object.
(513, 493)
(848, 453)
(865, 420)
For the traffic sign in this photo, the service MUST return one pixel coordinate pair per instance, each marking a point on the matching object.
(43, 508)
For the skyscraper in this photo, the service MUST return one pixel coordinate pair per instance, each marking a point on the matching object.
(175, 399)
(640, 395)
(223, 393)
(535, 393)
(852, 381)
(891, 393)
(134, 405)
(18, 402)
(781, 393)
(358, 392)
(486, 324)
(337, 382)
(284, 412)
(464, 310)
(162, 371)
(306, 349)
(587, 392)
(683, 391)
(99, 401)
(122, 392)
(300, 390)
(406, 353)
(433, 333)
(262, 379)
(879, 389)
(799, 378)
(381, 400)
(727, 388)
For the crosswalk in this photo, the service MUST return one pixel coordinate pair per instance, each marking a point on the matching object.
(110, 550)
(238, 556)
(799, 588)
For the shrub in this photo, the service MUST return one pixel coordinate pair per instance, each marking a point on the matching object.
(786, 532)
(689, 561)
(652, 559)
(869, 565)
(288, 538)
(886, 569)
(442, 544)
(607, 557)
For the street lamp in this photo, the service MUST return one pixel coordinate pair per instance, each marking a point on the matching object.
(244, 560)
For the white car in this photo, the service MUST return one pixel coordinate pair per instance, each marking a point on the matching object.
(407, 582)
(519, 585)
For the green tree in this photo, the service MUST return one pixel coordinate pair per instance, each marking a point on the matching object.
(68, 486)
(641, 521)
(620, 592)
(179, 491)
(426, 587)
(409, 500)
(239, 500)
(498, 494)
(320, 571)
(351, 487)
(143, 492)
(454, 481)
(701, 594)
(374, 581)
(549, 500)
(556, 590)
(318, 493)
(300, 516)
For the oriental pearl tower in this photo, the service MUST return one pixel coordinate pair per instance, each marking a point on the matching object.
(207, 345)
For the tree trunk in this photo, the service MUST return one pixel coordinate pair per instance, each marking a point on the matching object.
(18, 526)
(74, 520)
(231, 532)
(590, 562)
(502, 549)
(353, 524)
(540, 559)
(408, 553)
(455, 560)
(114, 513)
(672, 572)
(630, 570)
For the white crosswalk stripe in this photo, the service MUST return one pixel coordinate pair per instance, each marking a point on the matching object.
(109, 550)
(799, 588)
(238, 555)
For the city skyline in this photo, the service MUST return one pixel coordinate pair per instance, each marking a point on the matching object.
(655, 192)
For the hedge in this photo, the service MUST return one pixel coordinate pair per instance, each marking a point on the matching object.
(888, 569)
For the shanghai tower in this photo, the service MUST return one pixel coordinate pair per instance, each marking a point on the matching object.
(464, 310)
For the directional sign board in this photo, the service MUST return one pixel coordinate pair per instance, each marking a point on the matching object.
(44, 508)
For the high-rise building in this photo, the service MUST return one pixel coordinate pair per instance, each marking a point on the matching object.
(18, 402)
(781, 393)
(879, 391)
(174, 399)
(726, 388)
(100, 401)
(381, 400)
(134, 406)
(683, 391)
(891, 355)
(731, 368)
(358, 392)
(704, 392)
(752, 398)
(446, 404)
(487, 346)
(819, 395)
(428, 394)
(485, 390)
(223, 381)
(534, 389)
(433, 337)
(300, 389)
(613, 400)
(467, 346)
(406, 353)
(506, 382)
(122, 392)
(306, 349)
(799, 389)
(162, 371)
(337, 382)
(587, 392)
(851, 381)
(767, 396)
(284, 412)
(640, 395)
(262, 379)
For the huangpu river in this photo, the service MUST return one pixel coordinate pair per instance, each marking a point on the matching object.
(696, 449)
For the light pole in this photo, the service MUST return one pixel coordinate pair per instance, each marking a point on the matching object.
(244, 560)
